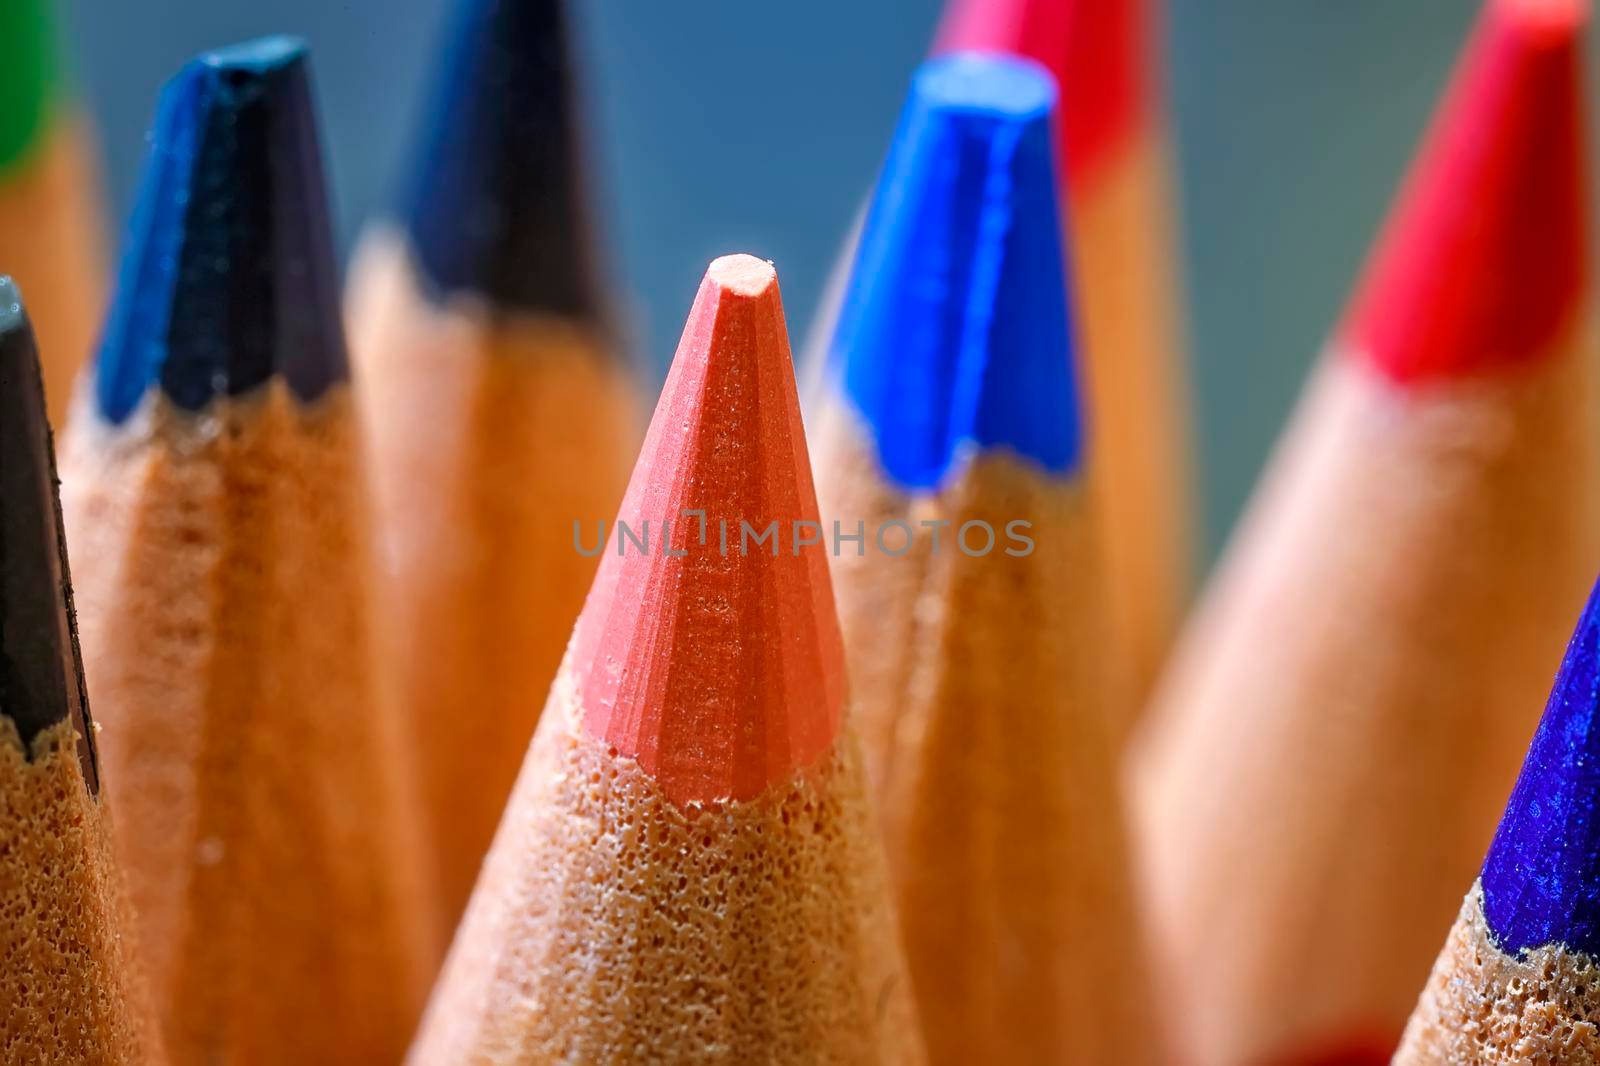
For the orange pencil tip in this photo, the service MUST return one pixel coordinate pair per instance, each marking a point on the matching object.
(709, 649)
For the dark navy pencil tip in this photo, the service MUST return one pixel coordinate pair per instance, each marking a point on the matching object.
(496, 205)
(956, 329)
(41, 671)
(1541, 879)
(228, 275)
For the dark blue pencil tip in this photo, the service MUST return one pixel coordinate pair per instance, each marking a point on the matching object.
(1541, 880)
(228, 275)
(41, 671)
(956, 329)
(495, 207)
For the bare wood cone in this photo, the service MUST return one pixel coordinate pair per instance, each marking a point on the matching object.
(72, 982)
(1483, 1007)
(983, 695)
(1341, 727)
(612, 925)
(490, 434)
(270, 849)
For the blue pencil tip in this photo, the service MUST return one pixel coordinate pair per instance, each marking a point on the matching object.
(1541, 879)
(956, 329)
(495, 206)
(228, 275)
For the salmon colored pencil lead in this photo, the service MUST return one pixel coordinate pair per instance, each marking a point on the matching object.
(688, 870)
(1516, 981)
(499, 413)
(213, 491)
(1338, 730)
(1112, 138)
(774, 619)
(70, 979)
(973, 613)
(50, 220)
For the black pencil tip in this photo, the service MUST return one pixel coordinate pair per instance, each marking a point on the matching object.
(41, 671)
(495, 207)
(228, 274)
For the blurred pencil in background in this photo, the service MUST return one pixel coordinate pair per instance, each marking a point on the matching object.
(973, 606)
(1340, 728)
(499, 410)
(1125, 257)
(688, 865)
(214, 493)
(1516, 979)
(73, 988)
(50, 223)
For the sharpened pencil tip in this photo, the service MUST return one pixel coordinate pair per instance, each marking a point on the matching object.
(956, 329)
(1541, 879)
(496, 205)
(41, 670)
(1484, 260)
(718, 664)
(228, 275)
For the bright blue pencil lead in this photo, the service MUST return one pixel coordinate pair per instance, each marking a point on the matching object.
(956, 330)
(228, 274)
(1541, 880)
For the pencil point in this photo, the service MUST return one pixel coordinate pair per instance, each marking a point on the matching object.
(228, 274)
(720, 670)
(1541, 879)
(496, 206)
(1484, 260)
(955, 329)
(41, 671)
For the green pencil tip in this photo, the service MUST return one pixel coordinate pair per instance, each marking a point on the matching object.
(30, 73)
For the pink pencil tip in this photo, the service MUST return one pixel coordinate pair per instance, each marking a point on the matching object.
(718, 665)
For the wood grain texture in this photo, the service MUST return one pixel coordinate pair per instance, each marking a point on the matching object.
(270, 845)
(983, 695)
(490, 435)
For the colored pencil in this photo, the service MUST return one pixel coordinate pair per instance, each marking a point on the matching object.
(49, 212)
(1518, 979)
(72, 985)
(1337, 734)
(688, 869)
(499, 413)
(973, 613)
(214, 493)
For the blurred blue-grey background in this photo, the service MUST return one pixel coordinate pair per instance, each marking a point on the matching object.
(721, 126)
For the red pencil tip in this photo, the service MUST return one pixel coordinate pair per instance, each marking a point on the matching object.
(717, 665)
(1096, 49)
(1485, 258)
